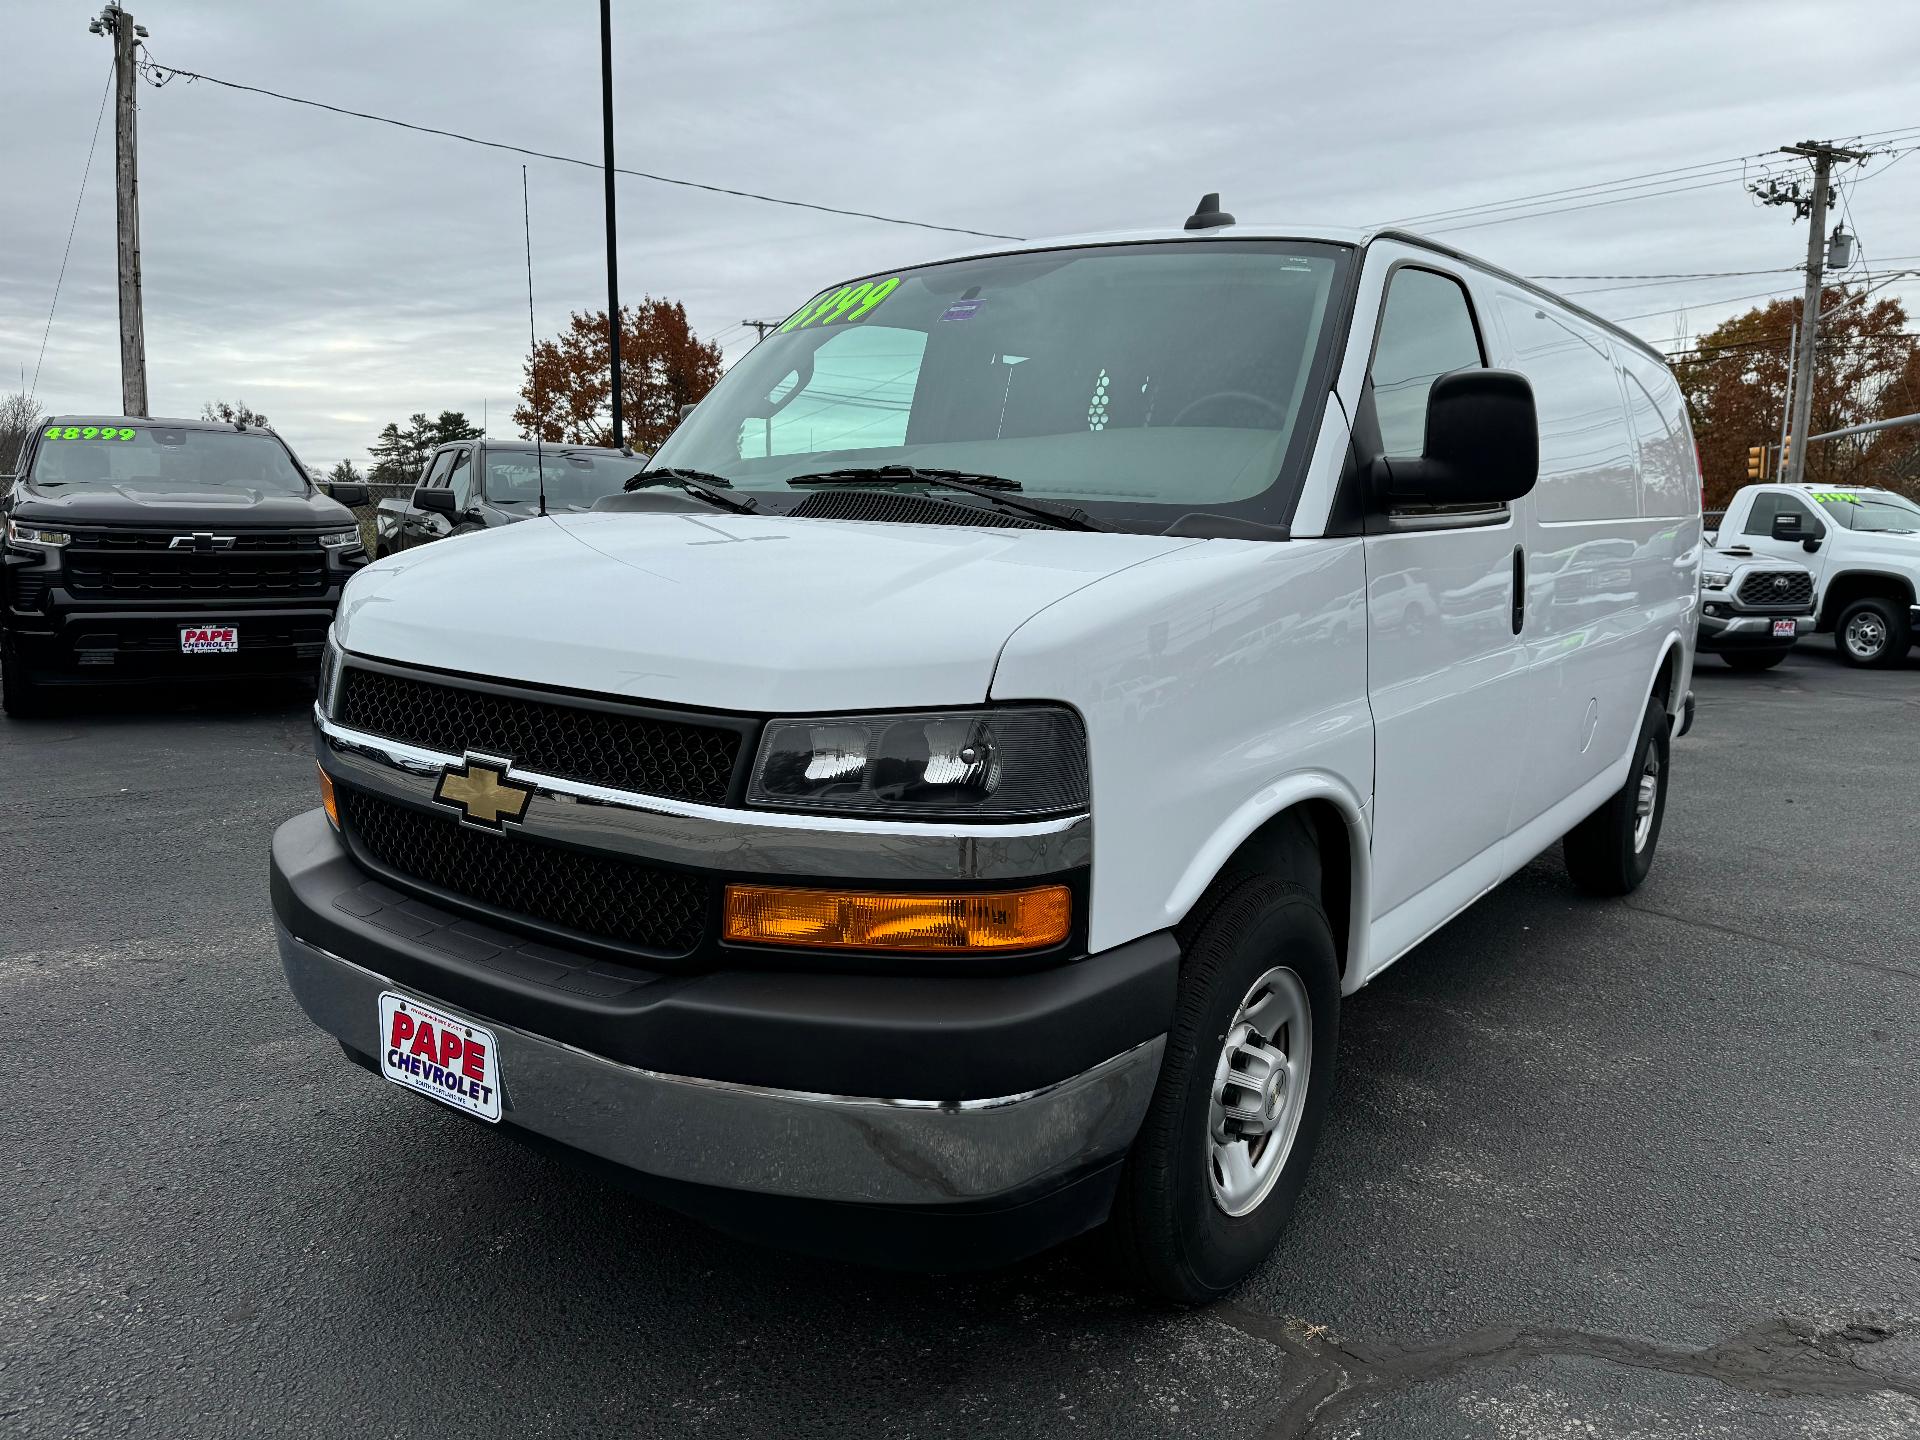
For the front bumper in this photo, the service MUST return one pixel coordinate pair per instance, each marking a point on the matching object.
(848, 1149)
(872, 1090)
(1750, 631)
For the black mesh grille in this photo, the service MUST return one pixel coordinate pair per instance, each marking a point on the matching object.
(144, 564)
(905, 510)
(623, 751)
(1765, 588)
(29, 591)
(630, 904)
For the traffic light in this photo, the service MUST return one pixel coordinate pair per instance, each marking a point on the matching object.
(1786, 454)
(1756, 462)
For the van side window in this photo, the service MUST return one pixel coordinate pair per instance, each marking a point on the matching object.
(1775, 502)
(1426, 330)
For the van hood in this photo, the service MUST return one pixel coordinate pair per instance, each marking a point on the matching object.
(729, 612)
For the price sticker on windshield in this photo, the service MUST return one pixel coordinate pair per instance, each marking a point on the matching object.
(848, 305)
(89, 432)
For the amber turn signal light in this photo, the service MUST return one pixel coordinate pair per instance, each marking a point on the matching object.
(873, 920)
(327, 802)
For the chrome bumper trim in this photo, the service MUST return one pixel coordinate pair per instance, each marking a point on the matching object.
(709, 837)
(780, 1142)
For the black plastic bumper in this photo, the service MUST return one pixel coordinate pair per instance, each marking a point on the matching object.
(931, 1037)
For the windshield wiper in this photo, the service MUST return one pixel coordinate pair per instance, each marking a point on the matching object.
(990, 488)
(701, 484)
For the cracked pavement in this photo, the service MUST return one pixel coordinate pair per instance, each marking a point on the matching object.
(1647, 1169)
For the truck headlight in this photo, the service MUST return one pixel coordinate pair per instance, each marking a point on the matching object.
(990, 764)
(23, 534)
(1716, 579)
(341, 540)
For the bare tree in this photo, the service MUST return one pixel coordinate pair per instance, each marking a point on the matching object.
(235, 414)
(19, 413)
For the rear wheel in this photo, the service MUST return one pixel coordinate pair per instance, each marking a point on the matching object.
(1611, 851)
(1754, 659)
(1872, 632)
(1244, 1085)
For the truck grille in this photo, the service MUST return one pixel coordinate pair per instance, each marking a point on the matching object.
(142, 565)
(622, 749)
(663, 912)
(1764, 590)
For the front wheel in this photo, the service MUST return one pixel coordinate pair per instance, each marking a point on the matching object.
(1753, 659)
(1244, 1085)
(1611, 851)
(1872, 632)
(20, 696)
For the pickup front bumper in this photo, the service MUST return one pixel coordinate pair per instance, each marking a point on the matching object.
(871, 1096)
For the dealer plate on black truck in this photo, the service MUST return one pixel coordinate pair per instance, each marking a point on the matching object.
(453, 1060)
(209, 639)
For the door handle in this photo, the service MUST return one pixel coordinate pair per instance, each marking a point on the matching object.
(1519, 588)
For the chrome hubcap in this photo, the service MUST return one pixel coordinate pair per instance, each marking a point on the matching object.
(1259, 1091)
(1866, 635)
(1646, 800)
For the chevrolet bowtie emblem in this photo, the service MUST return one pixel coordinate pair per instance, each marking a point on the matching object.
(480, 790)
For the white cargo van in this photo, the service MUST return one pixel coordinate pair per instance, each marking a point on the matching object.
(943, 808)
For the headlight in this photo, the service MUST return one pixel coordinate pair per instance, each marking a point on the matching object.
(1716, 579)
(19, 533)
(998, 764)
(342, 539)
(329, 676)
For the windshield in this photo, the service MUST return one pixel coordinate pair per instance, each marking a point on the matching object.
(575, 478)
(1871, 510)
(1167, 374)
(165, 459)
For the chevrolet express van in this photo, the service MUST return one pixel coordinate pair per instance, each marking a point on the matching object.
(945, 805)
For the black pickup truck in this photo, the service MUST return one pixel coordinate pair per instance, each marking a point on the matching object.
(478, 484)
(144, 550)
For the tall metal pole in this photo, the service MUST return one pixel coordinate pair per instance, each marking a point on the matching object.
(613, 262)
(1786, 410)
(133, 335)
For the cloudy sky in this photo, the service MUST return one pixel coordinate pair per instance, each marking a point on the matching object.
(338, 274)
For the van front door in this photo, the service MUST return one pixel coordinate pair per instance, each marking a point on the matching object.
(1446, 672)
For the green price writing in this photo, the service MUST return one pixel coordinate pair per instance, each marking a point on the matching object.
(843, 306)
(1840, 495)
(89, 432)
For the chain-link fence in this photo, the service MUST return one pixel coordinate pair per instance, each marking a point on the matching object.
(377, 490)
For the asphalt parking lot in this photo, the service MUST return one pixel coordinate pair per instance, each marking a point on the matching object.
(1642, 1168)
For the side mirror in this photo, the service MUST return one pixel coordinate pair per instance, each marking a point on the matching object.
(349, 493)
(1789, 527)
(439, 501)
(1482, 446)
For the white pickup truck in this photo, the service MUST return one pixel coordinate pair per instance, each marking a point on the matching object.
(1863, 547)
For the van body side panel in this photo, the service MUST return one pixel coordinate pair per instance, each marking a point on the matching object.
(1214, 680)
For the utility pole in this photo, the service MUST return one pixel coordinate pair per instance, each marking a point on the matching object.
(613, 261)
(760, 327)
(1813, 208)
(114, 21)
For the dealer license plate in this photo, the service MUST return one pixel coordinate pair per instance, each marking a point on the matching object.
(1784, 629)
(453, 1060)
(209, 639)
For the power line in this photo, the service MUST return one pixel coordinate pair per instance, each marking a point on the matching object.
(1733, 162)
(1713, 184)
(72, 225)
(157, 75)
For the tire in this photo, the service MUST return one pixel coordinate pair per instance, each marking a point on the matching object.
(1608, 853)
(1753, 659)
(1872, 633)
(1171, 1232)
(20, 697)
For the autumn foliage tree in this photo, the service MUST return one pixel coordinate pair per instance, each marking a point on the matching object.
(567, 393)
(1868, 369)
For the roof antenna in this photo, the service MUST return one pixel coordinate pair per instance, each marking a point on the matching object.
(533, 346)
(1208, 213)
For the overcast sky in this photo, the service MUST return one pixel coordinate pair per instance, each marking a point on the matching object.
(338, 274)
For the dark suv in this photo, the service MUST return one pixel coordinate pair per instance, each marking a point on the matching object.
(141, 550)
(478, 484)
